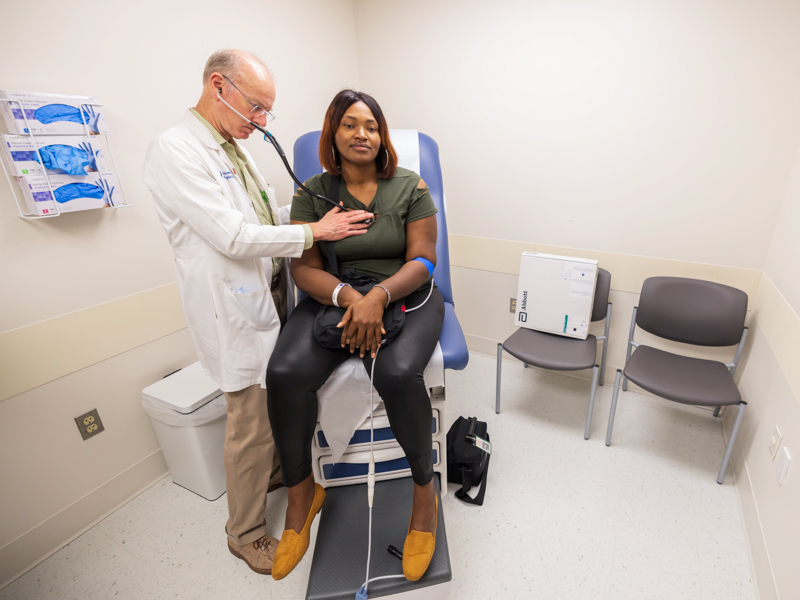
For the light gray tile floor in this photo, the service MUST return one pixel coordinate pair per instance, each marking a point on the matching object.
(564, 518)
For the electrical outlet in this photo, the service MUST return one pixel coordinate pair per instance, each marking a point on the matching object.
(89, 424)
(512, 305)
(775, 442)
(782, 464)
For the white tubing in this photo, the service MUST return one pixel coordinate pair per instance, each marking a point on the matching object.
(371, 472)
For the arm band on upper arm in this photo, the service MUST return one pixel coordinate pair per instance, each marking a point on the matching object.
(428, 264)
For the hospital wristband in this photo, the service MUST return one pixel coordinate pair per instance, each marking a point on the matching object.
(336, 293)
(388, 295)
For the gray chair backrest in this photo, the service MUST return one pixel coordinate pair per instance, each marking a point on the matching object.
(601, 290)
(692, 311)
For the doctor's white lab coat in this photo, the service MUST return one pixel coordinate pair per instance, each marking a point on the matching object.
(223, 256)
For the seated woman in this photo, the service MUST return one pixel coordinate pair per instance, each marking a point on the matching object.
(355, 144)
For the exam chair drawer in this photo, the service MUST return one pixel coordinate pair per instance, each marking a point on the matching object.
(390, 463)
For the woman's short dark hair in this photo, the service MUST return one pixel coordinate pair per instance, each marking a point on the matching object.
(386, 160)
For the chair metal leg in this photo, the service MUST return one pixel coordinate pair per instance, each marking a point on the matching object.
(595, 372)
(499, 369)
(613, 407)
(628, 349)
(731, 442)
(605, 345)
(717, 411)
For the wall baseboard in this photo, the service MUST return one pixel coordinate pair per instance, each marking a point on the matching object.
(760, 563)
(35, 545)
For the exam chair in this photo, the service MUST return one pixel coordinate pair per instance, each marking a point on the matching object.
(691, 311)
(559, 353)
(333, 572)
(417, 152)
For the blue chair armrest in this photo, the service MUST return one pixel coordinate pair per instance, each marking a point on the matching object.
(454, 346)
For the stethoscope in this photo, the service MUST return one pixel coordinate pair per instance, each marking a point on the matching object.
(268, 137)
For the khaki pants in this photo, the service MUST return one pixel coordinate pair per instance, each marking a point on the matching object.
(251, 461)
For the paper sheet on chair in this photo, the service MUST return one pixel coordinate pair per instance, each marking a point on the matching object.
(344, 399)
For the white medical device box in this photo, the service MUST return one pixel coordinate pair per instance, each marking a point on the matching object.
(40, 200)
(30, 102)
(556, 294)
(19, 152)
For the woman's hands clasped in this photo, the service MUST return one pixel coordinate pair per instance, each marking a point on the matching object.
(362, 324)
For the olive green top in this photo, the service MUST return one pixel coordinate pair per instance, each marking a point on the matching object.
(382, 250)
(257, 196)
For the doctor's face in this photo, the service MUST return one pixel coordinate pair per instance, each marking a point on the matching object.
(251, 94)
(358, 138)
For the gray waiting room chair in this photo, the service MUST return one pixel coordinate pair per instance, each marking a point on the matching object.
(558, 353)
(695, 312)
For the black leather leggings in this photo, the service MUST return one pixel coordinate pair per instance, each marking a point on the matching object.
(300, 366)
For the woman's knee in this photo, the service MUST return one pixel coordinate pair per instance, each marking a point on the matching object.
(283, 373)
(397, 375)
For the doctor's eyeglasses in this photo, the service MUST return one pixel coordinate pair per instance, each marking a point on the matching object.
(256, 111)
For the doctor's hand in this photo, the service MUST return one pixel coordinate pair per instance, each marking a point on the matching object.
(362, 325)
(337, 225)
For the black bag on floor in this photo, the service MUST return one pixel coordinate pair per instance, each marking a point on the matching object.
(468, 453)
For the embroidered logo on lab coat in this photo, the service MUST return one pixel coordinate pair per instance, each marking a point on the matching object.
(226, 174)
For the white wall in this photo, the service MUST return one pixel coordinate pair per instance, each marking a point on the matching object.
(783, 259)
(144, 60)
(663, 128)
(771, 385)
(631, 132)
(648, 129)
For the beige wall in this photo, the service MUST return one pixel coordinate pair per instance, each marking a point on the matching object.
(771, 386)
(99, 285)
(663, 128)
(144, 60)
(783, 259)
(659, 137)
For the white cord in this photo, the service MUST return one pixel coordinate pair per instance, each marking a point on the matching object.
(371, 473)
(430, 291)
(371, 470)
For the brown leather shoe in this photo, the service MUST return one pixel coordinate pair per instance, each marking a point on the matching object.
(258, 555)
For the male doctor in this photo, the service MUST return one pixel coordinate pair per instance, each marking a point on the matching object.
(230, 240)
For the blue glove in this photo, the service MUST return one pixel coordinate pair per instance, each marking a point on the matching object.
(70, 160)
(52, 113)
(109, 191)
(74, 191)
(92, 117)
(87, 147)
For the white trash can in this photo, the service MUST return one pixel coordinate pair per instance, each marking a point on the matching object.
(188, 413)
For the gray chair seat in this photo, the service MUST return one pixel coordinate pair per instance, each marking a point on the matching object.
(681, 378)
(553, 352)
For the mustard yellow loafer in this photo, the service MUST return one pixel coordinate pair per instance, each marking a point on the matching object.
(293, 545)
(418, 549)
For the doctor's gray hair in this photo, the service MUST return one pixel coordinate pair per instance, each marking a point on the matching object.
(229, 62)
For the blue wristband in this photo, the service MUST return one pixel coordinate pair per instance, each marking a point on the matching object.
(428, 264)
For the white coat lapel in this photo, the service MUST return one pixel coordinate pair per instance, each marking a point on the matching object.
(202, 133)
